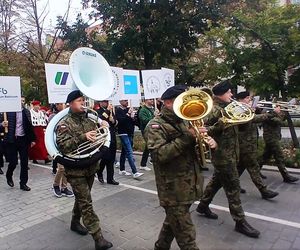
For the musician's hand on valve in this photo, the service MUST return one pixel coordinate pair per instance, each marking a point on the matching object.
(202, 130)
(91, 135)
(211, 142)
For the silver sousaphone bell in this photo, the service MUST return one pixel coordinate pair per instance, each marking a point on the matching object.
(93, 77)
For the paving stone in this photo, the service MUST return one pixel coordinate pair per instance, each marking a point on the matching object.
(132, 219)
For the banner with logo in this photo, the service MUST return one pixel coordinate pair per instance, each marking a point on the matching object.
(10, 94)
(132, 83)
(168, 76)
(118, 85)
(152, 83)
(59, 82)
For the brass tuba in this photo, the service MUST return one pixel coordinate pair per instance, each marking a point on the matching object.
(93, 77)
(193, 105)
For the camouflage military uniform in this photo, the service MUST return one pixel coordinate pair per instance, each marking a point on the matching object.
(224, 159)
(70, 133)
(178, 178)
(248, 139)
(272, 137)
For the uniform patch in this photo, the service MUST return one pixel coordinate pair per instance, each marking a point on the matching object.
(155, 126)
(62, 128)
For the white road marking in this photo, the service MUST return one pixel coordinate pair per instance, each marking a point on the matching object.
(252, 215)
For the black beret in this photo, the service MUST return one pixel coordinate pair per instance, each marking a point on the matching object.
(221, 88)
(207, 90)
(73, 95)
(242, 95)
(173, 92)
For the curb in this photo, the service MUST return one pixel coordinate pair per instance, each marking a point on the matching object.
(265, 167)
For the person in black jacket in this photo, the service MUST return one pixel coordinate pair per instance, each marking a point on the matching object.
(18, 139)
(105, 112)
(125, 117)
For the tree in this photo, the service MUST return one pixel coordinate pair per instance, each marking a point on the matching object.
(149, 34)
(30, 51)
(256, 49)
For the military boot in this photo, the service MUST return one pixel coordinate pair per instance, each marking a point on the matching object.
(205, 210)
(244, 228)
(102, 244)
(268, 194)
(289, 178)
(78, 228)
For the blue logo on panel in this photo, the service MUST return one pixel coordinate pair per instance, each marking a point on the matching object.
(130, 85)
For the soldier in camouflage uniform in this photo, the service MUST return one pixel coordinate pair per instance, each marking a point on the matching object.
(177, 173)
(248, 139)
(225, 158)
(73, 130)
(272, 137)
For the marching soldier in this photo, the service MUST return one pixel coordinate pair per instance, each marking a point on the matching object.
(177, 173)
(73, 130)
(272, 137)
(225, 159)
(248, 139)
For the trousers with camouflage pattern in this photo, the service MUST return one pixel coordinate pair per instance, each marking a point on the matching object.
(227, 177)
(178, 224)
(83, 207)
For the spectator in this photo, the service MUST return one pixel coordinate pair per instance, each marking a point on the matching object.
(125, 118)
(106, 113)
(146, 114)
(39, 122)
(18, 139)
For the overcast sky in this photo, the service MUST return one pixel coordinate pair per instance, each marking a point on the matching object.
(59, 7)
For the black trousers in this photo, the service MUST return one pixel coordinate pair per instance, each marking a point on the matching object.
(109, 164)
(108, 161)
(1, 154)
(20, 146)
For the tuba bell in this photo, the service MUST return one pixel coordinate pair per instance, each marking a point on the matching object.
(193, 105)
(93, 77)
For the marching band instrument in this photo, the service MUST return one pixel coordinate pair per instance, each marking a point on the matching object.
(193, 105)
(93, 76)
(284, 106)
(236, 113)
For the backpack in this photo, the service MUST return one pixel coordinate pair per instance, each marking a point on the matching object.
(136, 118)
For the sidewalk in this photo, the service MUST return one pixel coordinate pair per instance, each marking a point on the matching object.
(131, 217)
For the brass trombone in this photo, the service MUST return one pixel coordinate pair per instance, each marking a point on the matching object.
(284, 106)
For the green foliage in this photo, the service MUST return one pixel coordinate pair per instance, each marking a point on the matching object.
(74, 35)
(255, 48)
(151, 34)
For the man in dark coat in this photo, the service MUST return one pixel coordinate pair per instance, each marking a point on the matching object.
(18, 139)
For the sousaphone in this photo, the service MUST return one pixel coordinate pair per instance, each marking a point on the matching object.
(93, 77)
